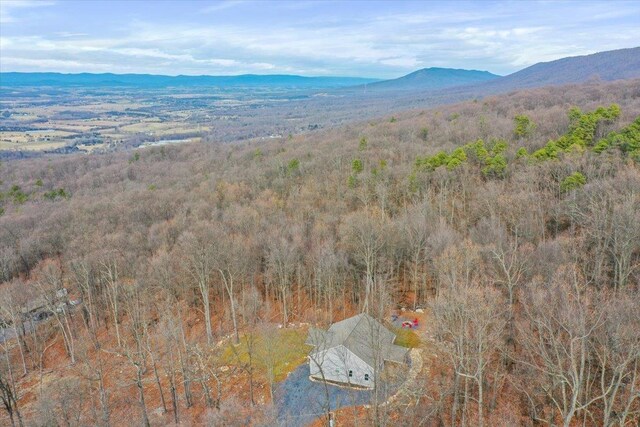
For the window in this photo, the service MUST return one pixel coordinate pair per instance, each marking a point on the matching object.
(350, 373)
(366, 377)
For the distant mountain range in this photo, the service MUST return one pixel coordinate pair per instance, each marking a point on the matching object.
(434, 78)
(610, 65)
(607, 66)
(158, 81)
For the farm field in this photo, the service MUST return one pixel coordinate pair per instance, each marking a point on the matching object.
(76, 121)
(66, 120)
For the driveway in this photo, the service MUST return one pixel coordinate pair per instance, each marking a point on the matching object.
(299, 401)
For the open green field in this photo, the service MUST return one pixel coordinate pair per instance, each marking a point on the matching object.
(274, 352)
(406, 338)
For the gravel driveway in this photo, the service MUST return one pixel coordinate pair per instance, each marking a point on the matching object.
(299, 401)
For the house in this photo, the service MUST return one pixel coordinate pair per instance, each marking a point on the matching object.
(352, 351)
(42, 307)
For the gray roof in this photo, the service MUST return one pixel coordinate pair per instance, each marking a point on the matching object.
(362, 335)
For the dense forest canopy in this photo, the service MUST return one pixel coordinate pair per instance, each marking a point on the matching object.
(514, 220)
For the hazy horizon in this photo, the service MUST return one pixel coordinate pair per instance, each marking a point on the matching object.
(365, 77)
(379, 40)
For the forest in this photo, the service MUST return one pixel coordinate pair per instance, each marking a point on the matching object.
(512, 222)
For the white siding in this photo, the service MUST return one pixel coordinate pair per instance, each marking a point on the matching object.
(336, 363)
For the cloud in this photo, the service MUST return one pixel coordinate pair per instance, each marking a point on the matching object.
(404, 62)
(8, 7)
(112, 54)
(54, 64)
(68, 34)
(314, 39)
(222, 5)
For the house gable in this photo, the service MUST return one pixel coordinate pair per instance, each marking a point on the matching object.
(341, 365)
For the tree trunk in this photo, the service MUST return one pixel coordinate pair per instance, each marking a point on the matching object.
(157, 377)
(143, 406)
(174, 400)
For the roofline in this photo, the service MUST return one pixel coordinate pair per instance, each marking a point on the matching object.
(362, 316)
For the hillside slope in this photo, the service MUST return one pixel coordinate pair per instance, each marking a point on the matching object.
(622, 64)
(277, 231)
(443, 85)
(607, 66)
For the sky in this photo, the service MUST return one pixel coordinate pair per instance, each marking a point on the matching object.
(384, 39)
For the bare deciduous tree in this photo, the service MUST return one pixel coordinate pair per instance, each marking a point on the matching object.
(199, 264)
(282, 258)
(563, 316)
(471, 322)
(366, 239)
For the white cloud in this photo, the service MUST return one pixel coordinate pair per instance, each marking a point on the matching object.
(402, 62)
(379, 45)
(222, 5)
(263, 66)
(8, 7)
(11, 63)
(68, 34)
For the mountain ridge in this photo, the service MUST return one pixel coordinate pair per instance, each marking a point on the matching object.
(434, 78)
(607, 65)
(620, 64)
(157, 80)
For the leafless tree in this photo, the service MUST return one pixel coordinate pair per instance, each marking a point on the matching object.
(53, 295)
(282, 258)
(111, 279)
(10, 311)
(170, 330)
(563, 316)
(230, 262)
(471, 322)
(246, 356)
(133, 348)
(205, 363)
(328, 277)
(365, 237)
(8, 390)
(92, 369)
(320, 360)
(68, 398)
(616, 347)
(625, 238)
(416, 228)
(199, 264)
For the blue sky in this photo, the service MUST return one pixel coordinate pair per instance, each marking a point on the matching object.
(361, 38)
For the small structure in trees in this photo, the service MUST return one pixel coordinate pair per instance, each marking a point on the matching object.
(43, 306)
(353, 351)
